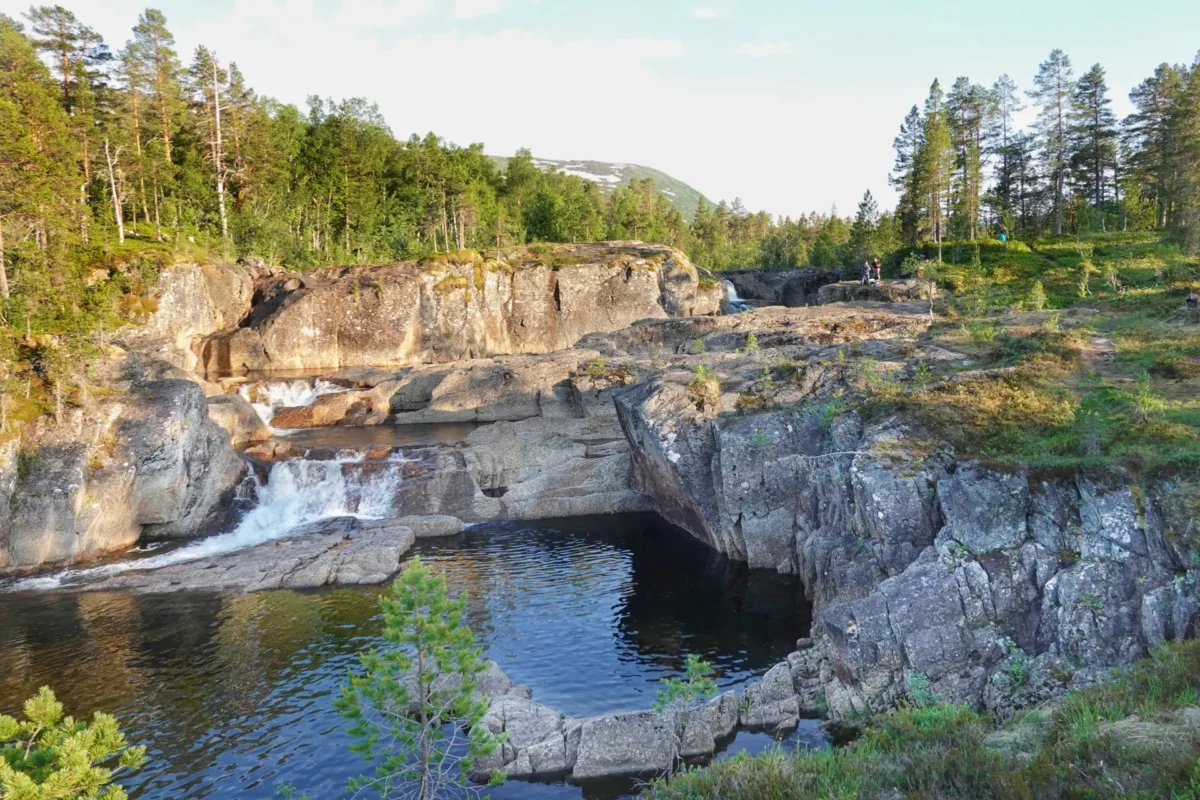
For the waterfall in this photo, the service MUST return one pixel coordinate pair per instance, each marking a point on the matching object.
(733, 303)
(294, 494)
(270, 396)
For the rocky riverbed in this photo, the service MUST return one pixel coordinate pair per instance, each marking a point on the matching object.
(603, 381)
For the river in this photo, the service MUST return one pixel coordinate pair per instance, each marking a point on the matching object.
(233, 694)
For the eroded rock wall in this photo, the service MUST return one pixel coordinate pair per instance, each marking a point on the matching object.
(525, 300)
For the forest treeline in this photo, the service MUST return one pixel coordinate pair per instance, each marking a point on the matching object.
(107, 153)
(963, 164)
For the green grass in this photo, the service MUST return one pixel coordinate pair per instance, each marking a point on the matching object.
(1136, 736)
(1110, 377)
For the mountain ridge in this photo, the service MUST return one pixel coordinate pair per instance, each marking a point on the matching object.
(610, 175)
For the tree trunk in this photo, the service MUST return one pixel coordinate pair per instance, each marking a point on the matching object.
(217, 153)
(84, 213)
(116, 197)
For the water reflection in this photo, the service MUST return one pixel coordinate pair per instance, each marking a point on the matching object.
(233, 694)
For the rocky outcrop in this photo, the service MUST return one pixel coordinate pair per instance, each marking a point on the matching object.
(882, 292)
(534, 469)
(184, 470)
(925, 571)
(342, 551)
(532, 299)
(191, 301)
(148, 464)
(794, 288)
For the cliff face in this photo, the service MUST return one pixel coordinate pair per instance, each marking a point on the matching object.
(923, 566)
(532, 299)
(149, 463)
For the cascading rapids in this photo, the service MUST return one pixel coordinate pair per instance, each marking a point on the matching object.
(295, 493)
(269, 397)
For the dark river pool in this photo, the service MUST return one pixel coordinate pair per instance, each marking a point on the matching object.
(233, 694)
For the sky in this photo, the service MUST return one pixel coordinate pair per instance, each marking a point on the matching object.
(791, 106)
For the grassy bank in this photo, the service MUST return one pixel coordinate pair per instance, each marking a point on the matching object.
(1137, 736)
(1081, 355)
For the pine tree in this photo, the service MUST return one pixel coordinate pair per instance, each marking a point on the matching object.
(1006, 104)
(155, 62)
(38, 178)
(905, 176)
(47, 754)
(1053, 88)
(863, 243)
(411, 704)
(1093, 136)
(207, 83)
(70, 44)
(1183, 126)
(936, 165)
(1148, 135)
(967, 107)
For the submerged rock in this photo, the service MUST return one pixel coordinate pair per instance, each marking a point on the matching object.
(432, 526)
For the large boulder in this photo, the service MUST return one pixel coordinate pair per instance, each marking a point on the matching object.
(63, 511)
(634, 743)
(185, 469)
(239, 419)
(150, 463)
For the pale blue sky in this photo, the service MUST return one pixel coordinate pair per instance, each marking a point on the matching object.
(792, 106)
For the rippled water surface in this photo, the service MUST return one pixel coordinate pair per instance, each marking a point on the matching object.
(233, 694)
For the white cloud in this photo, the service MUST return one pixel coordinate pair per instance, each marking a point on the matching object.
(706, 13)
(290, 49)
(469, 9)
(762, 49)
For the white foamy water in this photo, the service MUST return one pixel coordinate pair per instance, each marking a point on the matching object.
(269, 397)
(734, 302)
(296, 493)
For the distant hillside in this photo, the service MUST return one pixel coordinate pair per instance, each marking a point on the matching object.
(610, 176)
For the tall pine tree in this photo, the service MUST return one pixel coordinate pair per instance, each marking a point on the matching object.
(1053, 87)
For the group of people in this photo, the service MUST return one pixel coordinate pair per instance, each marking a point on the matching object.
(871, 273)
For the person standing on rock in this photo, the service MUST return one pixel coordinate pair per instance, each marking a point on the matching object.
(866, 272)
(878, 271)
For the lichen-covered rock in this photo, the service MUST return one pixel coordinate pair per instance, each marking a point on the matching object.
(702, 727)
(526, 722)
(634, 743)
(985, 510)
